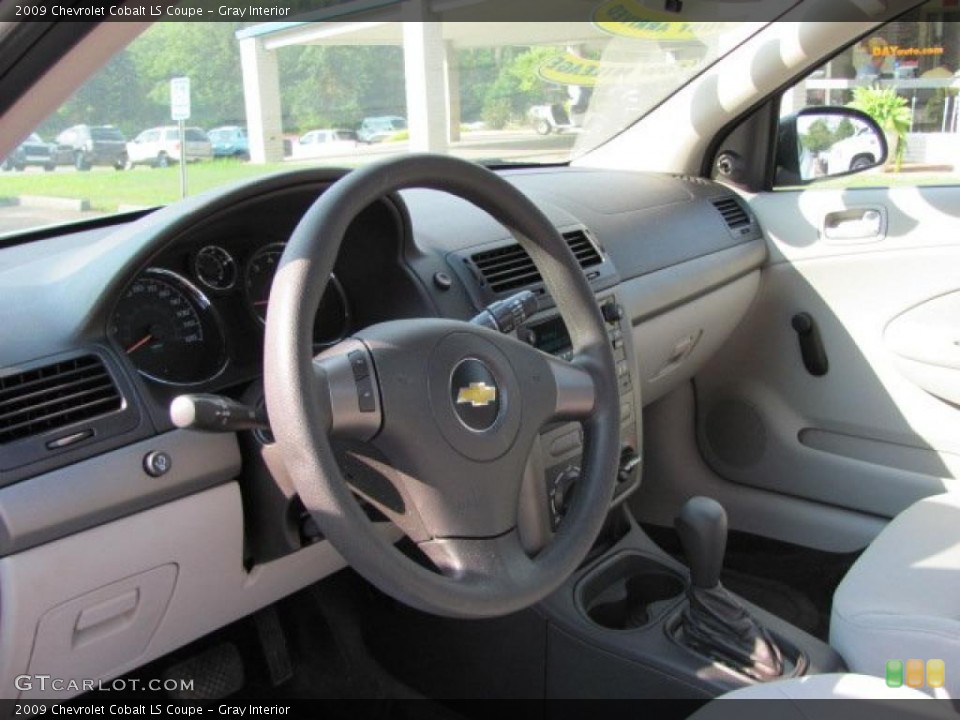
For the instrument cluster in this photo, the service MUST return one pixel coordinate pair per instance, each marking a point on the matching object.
(184, 320)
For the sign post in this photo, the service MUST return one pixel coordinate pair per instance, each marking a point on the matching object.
(180, 111)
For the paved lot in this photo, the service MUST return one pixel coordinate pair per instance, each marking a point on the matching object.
(14, 218)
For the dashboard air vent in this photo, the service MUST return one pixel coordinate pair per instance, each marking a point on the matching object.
(510, 267)
(50, 397)
(584, 250)
(693, 179)
(733, 213)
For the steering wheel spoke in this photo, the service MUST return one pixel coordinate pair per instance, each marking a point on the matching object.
(498, 559)
(575, 389)
(348, 382)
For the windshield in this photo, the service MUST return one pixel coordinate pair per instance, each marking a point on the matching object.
(344, 94)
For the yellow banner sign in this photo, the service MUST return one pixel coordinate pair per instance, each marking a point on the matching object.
(568, 69)
(632, 19)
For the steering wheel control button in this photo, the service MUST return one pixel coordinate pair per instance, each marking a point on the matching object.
(358, 363)
(157, 463)
(365, 398)
(475, 394)
(350, 380)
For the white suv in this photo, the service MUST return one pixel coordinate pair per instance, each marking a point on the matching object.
(857, 152)
(160, 146)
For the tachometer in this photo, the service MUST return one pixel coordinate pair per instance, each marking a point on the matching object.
(333, 316)
(169, 330)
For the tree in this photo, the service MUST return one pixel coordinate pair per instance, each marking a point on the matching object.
(337, 86)
(111, 97)
(844, 130)
(207, 53)
(518, 86)
(819, 137)
(890, 112)
(479, 69)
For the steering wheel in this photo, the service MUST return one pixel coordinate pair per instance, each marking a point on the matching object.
(455, 408)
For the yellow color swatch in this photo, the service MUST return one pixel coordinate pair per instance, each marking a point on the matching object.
(936, 673)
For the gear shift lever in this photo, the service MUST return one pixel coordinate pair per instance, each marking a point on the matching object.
(702, 526)
(715, 623)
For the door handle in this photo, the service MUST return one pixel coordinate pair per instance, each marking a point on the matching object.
(855, 225)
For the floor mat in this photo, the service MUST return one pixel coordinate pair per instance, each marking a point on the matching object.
(775, 597)
(793, 582)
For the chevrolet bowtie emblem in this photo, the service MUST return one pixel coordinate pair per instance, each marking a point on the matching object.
(478, 394)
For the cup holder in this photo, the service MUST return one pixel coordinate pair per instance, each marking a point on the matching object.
(629, 592)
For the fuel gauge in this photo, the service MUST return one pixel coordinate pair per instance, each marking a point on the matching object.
(215, 267)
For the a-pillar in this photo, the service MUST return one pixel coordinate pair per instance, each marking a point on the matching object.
(425, 60)
(261, 95)
(452, 80)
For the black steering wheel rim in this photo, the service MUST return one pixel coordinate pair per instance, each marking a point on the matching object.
(301, 421)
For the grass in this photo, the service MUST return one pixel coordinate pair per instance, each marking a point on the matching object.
(107, 189)
(890, 179)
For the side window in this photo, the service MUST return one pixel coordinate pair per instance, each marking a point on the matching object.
(905, 76)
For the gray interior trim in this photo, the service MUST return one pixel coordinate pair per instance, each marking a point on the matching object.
(675, 471)
(202, 536)
(923, 461)
(657, 292)
(110, 486)
(674, 345)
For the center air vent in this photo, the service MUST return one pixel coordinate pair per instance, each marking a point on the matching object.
(54, 396)
(733, 213)
(693, 180)
(510, 267)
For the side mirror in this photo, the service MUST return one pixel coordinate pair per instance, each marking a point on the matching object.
(827, 142)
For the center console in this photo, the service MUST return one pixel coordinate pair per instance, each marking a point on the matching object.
(561, 445)
(634, 621)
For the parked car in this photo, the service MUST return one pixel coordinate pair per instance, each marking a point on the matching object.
(32, 151)
(325, 142)
(229, 141)
(378, 129)
(857, 152)
(84, 146)
(160, 146)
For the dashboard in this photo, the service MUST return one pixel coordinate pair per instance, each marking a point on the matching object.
(102, 327)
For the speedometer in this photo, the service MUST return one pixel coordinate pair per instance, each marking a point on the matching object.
(169, 330)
